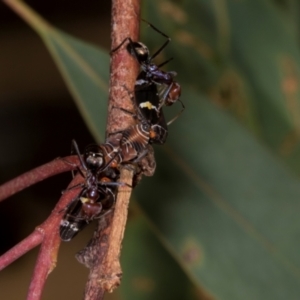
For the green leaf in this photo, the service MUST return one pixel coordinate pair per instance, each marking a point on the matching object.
(244, 55)
(85, 70)
(149, 271)
(226, 208)
(220, 203)
(268, 52)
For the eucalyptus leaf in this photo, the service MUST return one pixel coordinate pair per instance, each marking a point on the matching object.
(85, 70)
(244, 55)
(223, 206)
(149, 271)
(226, 207)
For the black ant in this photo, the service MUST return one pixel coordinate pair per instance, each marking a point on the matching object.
(169, 90)
(133, 141)
(98, 193)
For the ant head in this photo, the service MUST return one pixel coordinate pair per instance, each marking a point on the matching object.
(139, 50)
(93, 157)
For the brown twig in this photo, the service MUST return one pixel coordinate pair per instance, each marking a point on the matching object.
(38, 174)
(103, 254)
(123, 67)
(124, 70)
(93, 255)
(110, 269)
(105, 272)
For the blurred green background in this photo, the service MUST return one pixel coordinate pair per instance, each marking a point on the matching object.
(219, 220)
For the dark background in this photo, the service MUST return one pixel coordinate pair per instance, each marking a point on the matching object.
(38, 120)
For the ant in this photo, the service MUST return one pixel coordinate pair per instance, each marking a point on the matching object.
(133, 141)
(98, 193)
(169, 90)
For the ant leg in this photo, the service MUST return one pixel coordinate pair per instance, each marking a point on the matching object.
(160, 49)
(110, 161)
(111, 183)
(163, 34)
(121, 44)
(73, 187)
(182, 109)
(75, 199)
(156, 29)
(131, 48)
(125, 111)
(164, 63)
(141, 155)
(131, 96)
(134, 115)
(105, 213)
(163, 95)
(75, 146)
(73, 165)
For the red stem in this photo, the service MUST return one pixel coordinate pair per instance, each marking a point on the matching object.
(38, 174)
(25, 180)
(34, 239)
(47, 234)
(47, 257)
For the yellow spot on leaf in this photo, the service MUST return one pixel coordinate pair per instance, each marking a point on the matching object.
(192, 253)
(291, 93)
